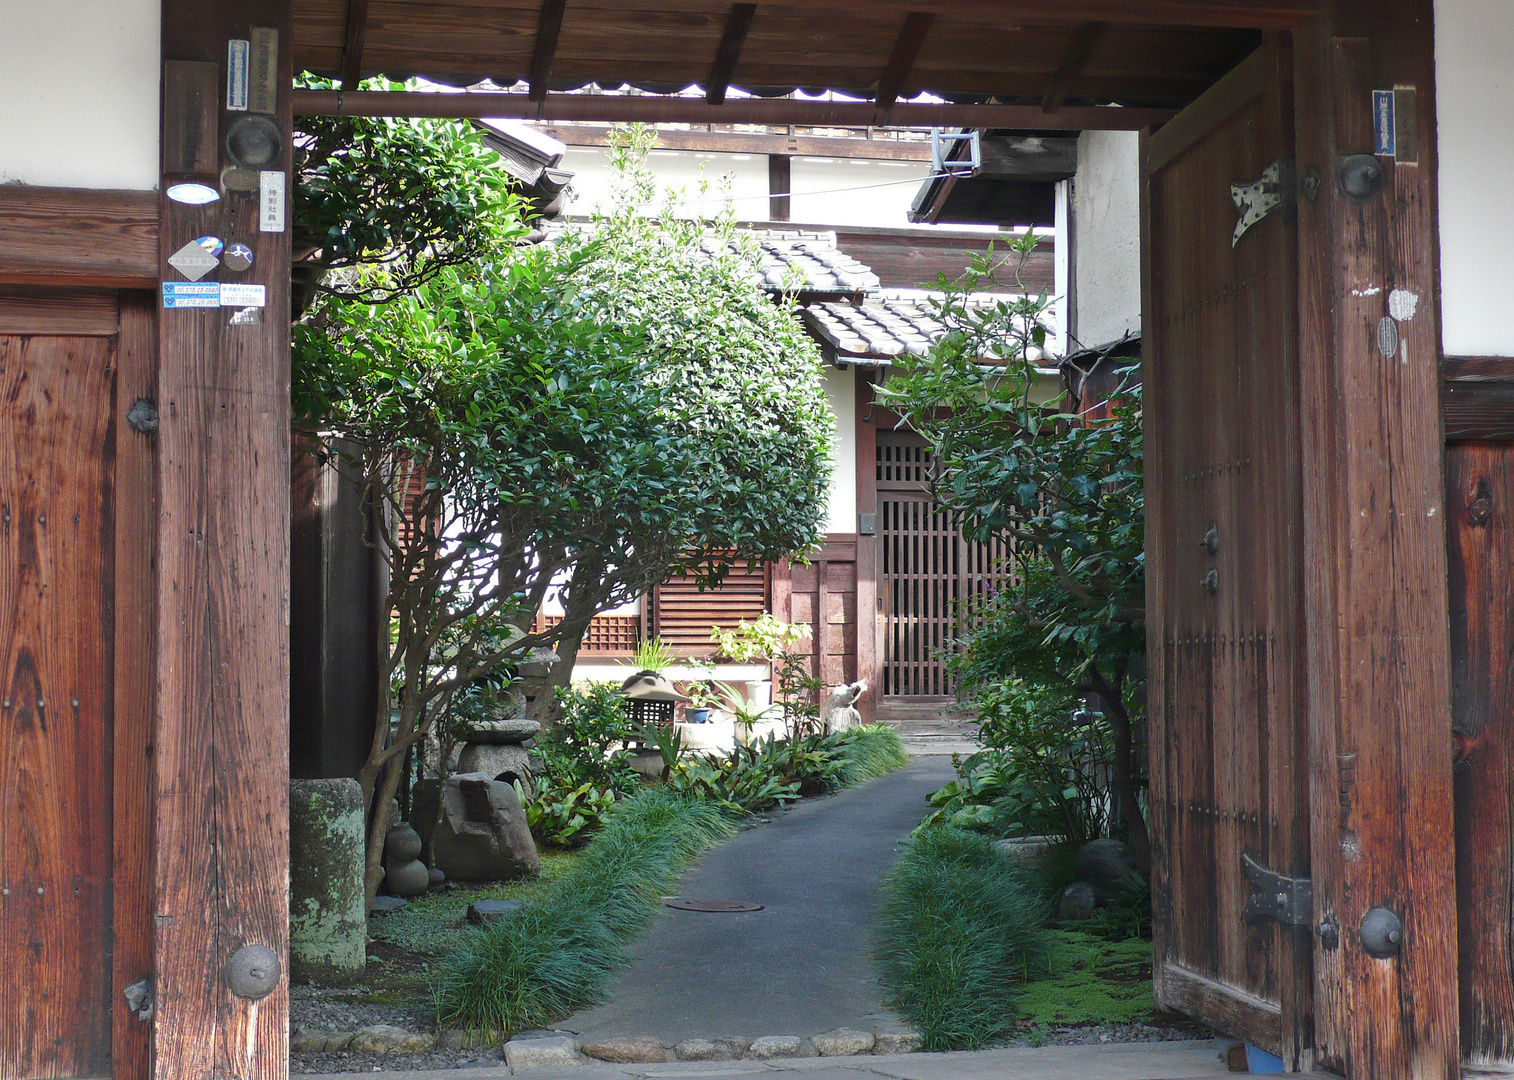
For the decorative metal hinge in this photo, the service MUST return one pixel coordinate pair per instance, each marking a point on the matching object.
(1262, 198)
(1289, 900)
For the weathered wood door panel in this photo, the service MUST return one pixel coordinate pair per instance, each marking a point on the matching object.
(1479, 498)
(1225, 563)
(56, 703)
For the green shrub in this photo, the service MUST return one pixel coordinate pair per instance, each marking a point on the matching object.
(1043, 771)
(564, 814)
(961, 928)
(586, 744)
(556, 955)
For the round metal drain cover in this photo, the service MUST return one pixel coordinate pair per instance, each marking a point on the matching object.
(714, 905)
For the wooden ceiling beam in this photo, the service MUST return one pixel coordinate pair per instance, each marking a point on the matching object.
(1236, 14)
(1079, 51)
(737, 23)
(548, 29)
(352, 43)
(650, 109)
(753, 142)
(902, 60)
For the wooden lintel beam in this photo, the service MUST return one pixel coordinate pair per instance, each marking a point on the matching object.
(352, 43)
(753, 142)
(548, 29)
(688, 110)
(1078, 53)
(737, 23)
(902, 60)
(1237, 14)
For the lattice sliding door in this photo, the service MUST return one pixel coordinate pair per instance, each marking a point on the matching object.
(930, 578)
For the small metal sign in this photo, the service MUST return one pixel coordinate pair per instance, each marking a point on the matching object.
(722, 906)
(185, 294)
(239, 294)
(263, 92)
(193, 260)
(1384, 123)
(238, 257)
(271, 201)
(247, 316)
(1387, 336)
(1406, 125)
(236, 74)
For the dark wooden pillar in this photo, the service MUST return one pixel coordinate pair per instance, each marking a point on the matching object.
(1377, 606)
(223, 539)
(779, 186)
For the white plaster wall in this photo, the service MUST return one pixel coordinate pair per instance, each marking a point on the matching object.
(79, 93)
(832, 190)
(1106, 212)
(1474, 81)
(841, 395)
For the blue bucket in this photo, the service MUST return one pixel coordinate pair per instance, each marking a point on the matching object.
(1260, 1062)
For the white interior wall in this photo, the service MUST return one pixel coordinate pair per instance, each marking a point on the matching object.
(1474, 85)
(79, 88)
(841, 395)
(1106, 213)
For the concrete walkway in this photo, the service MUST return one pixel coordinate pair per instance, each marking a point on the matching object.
(1197, 1060)
(801, 965)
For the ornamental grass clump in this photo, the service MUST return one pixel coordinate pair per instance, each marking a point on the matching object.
(961, 927)
(871, 751)
(557, 954)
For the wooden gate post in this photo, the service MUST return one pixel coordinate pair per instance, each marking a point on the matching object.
(1377, 605)
(223, 540)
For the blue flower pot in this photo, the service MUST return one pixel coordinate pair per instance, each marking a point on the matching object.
(697, 716)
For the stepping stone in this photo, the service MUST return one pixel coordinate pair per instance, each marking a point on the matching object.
(895, 1039)
(543, 1052)
(843, 1042)
(775, 1046)
(630, 1049)
(387, 1039)
(382, 905)
(488, 912)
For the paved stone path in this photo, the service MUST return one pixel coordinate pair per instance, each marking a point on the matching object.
(1196, 1060)
(801, 965)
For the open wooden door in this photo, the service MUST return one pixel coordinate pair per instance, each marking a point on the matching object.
(1229, 796)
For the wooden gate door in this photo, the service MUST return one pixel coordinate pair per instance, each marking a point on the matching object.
(75, 713)
(929, 578)
(1228, 705)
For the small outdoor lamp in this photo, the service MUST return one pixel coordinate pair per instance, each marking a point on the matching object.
(650, 698)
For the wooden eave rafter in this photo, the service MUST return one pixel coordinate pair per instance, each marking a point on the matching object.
(548, 29)
(1078, 55)
(752, 142)
(726, 57)
(1234, 14)
(352, 43)
(902, 60)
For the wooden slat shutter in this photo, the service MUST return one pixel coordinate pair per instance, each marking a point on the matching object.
(682, 615)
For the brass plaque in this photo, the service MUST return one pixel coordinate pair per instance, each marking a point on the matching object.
(263, 71)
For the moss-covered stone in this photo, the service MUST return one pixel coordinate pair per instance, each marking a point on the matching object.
(328, 921)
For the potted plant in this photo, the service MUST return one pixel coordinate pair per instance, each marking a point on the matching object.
(702, 698)
(745, 713)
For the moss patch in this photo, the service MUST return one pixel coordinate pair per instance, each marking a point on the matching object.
(1088, 980)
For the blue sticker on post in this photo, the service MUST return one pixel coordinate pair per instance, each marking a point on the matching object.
(1384, 123)
(191, 294)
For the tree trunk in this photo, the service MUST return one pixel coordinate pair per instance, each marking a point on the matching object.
(1122, 768)
(580, 604)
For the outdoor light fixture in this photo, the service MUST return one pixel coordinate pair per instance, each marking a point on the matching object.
(195, 194)
(254, 142)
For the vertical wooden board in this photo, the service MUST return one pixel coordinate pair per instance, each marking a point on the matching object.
(136, 514)
(56, 548)
(869, 610)
(1377, 605)
(1479, 495)
(223, 541)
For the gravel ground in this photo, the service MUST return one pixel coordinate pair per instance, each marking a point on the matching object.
(349, 1008)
